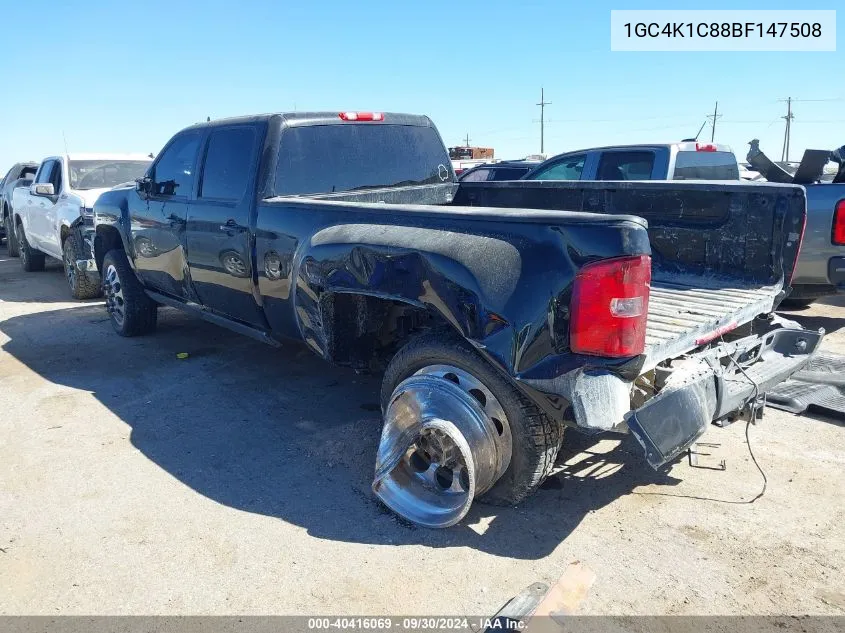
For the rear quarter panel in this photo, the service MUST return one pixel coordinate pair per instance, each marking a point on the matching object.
(503, 285)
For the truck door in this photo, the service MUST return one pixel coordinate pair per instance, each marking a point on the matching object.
(219, 242)
(35, 220)
(50, 238)
(158, 217)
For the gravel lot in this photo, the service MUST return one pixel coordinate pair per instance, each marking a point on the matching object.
(238, 481)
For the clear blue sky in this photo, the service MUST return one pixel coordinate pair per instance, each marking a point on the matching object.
(126, 76)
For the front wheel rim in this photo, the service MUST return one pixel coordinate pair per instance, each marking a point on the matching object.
(70, 268)
(21, 243)
(113, 291)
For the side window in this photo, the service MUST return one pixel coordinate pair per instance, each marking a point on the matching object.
(478, 175)
(173, 173)
(569, 168)
(625, 166)
(44, 172)
(227, 163)
(506, 173)
(56, 176)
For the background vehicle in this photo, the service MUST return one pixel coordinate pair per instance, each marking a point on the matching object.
(675, 161)
(500, 317)
(21, 174)
(54, 216)
(505, 170)
(821, 263)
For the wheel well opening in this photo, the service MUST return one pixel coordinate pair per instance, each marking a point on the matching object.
(63, 235)
(365, 332)
(106, 239)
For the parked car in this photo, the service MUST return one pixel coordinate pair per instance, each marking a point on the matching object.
(54, 215)
(17, 176)
(689, 160)
(505, 170)
(821, 264)
(499, 318)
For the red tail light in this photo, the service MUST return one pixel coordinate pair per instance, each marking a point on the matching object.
(609, 307)
(361, 116)
(839, 223)
(705, 147)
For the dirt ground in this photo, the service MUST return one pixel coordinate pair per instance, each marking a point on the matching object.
(238, 481)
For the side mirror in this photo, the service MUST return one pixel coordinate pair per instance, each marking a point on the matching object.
(144, 185)
(42, 189)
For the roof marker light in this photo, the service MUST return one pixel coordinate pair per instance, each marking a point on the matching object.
(361, 116)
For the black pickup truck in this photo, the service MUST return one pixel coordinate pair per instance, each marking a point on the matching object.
(500, 312)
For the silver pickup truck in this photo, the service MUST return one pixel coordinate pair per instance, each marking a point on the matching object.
(820, 270)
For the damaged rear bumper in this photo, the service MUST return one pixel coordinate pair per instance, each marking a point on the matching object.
(711, 387)
(721, 383)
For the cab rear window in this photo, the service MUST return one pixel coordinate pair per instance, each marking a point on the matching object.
(349, 157)
(706, 166)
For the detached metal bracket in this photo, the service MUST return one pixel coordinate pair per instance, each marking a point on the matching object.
(694, 455)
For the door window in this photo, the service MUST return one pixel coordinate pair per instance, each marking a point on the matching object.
(56, 176)
(476, 175)
(625, 166)
(569, 168)
(173, 174)
(45, 172)
(227, 163)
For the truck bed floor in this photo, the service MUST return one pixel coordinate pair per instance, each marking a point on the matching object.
(681, 313)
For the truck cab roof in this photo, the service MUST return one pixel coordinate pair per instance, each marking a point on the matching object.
(322, 118)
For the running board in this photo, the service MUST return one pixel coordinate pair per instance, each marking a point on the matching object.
(212, 317)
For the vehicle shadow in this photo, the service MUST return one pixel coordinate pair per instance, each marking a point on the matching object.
(17, 285)
(279, 432)
(810, 316)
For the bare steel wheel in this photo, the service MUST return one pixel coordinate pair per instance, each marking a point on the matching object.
(446, 439)
(448, 410)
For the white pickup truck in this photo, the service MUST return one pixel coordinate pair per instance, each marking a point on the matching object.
(54, 215)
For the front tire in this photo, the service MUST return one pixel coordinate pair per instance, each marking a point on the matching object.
(31, 259)
(131, 311)
(536, 438)
(83, 284)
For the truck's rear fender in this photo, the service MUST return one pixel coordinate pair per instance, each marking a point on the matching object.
(358, 290)
(111, 222)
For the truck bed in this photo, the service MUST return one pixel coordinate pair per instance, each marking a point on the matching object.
(682, 310)
(721, 252)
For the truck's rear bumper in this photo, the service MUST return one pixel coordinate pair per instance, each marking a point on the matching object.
(713, 388)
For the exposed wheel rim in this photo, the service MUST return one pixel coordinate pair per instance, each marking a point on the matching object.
(70, 268)
(22, 242)
(446, 439)
(113, 291)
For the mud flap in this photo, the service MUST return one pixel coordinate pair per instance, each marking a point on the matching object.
(671, 421)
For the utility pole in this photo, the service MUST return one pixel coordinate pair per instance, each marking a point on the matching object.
(467, 139)
(543, 103)
(784, 156)
(714, 116)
